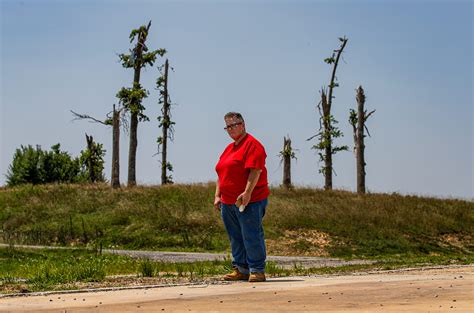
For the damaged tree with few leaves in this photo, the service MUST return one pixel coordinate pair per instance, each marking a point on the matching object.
(92, 161)
(357, 120)
(116, 120)
(131, 98)
(165, 123)
(286, 155)
(328, 131)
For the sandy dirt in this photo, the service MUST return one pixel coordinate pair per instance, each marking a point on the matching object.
(449, 289)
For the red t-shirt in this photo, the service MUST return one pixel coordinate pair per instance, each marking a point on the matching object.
(234, 167)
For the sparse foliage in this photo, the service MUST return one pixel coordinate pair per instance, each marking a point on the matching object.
(92, 161)
(357, 120)
(327, 129)
(131, 98)
(115, 120)
(286, 155)
(165, 123)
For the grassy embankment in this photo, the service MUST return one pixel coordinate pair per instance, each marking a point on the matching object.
(400, 230)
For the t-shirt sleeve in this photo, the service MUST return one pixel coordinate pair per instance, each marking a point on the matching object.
(255, 157)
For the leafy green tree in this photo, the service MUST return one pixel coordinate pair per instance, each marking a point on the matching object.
(59, 166)
(25, 166)
(36, 166)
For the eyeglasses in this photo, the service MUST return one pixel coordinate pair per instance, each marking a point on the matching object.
(232, 126)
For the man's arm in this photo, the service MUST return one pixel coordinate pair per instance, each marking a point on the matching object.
(217, 197)
(251, 182)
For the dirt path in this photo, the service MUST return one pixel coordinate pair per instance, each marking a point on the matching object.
(449, 289)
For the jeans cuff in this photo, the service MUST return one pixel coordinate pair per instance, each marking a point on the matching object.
(243, 270)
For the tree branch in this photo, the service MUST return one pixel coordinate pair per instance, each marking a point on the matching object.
(331, 85)
(368, 133)
(84, 116)
(367, 115)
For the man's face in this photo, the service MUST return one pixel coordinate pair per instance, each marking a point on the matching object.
(234, 127)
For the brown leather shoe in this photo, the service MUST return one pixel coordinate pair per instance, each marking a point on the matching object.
(236, 275)
(257, 277)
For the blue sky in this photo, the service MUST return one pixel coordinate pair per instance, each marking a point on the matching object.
(263, 59)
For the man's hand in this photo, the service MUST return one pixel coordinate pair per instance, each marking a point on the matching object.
(217, 203)
(244, 197)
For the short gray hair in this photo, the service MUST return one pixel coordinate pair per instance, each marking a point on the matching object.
(234, 114)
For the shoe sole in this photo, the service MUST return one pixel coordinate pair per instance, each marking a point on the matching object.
(235, 279)
(257, 280)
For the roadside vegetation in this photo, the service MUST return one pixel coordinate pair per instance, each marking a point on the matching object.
(29, 270)
(392, 229)
(26, 270)
(181, 218)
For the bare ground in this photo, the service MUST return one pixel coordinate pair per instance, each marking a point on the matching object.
(444, 289)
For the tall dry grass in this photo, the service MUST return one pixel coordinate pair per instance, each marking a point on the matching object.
(181, 217)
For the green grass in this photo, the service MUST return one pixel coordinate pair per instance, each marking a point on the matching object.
(49, 269)
(181, 218)
(26, 270)
(42, 269)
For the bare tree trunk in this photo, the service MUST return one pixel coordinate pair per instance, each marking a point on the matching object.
(357, 120)
(132, 156)
(166, 119)
(360, 146)
(327, 138)
(115, 178)
(328, 169)
(287, 162)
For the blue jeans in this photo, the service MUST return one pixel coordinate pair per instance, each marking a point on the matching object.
(246, 236)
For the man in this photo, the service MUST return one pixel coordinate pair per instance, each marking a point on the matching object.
(242, 179)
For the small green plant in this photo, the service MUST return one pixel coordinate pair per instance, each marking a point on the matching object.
(146, 268)
(7, 278)
(273, 269)
(180, 269)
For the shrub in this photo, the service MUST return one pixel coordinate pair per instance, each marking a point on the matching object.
(92, 162)
(36, 166)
